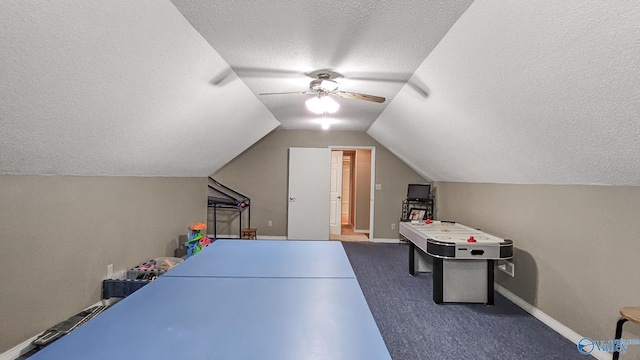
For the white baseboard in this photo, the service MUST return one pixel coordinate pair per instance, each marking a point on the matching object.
(18, 350)
(222, 237)
(235, 237)
(385, 241)
(554, 324)
(25, 346)
(267, 237)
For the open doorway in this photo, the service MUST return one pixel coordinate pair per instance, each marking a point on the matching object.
(351, 196)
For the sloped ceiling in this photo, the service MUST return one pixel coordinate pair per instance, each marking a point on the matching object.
(526, 92)
(375, 45)
(117, 88)
(516, 92)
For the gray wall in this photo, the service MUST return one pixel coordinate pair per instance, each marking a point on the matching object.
(261, 173)
(577, 247)
(58, 234)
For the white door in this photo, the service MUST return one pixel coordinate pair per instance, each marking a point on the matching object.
(308, 213)
(335, 213)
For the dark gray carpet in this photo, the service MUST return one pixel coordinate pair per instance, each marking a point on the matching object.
(414, 327)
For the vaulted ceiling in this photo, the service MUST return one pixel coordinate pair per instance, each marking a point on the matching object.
(526, 92)
(117, 88)
(489, 91)
(274, 46)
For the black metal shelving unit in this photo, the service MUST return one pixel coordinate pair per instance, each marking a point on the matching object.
(408, 204)
(225, 198)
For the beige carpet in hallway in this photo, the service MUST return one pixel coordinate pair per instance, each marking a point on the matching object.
(347, 234)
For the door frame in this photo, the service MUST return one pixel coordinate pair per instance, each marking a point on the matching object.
(373, 179)
(352, 155)
(335, 197)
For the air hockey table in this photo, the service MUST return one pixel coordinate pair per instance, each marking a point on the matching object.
(463, 259)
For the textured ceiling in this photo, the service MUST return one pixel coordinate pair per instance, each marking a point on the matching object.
(526, 92)
(271, 45)
(117, 88)
(510, 92)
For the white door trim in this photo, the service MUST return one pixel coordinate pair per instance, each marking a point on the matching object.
(373, 178)
(335, 220)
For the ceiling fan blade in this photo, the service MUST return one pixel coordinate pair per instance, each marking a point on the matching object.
(289, 92)
(356, 96)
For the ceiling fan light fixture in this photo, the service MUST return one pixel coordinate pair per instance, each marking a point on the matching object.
(314, 105)
(328, 85)
(325, 122)
(319, 105)
(330, 105)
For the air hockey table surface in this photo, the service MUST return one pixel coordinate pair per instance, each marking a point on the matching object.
(446, 239)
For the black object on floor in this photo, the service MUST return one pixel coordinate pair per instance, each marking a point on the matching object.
(61, 329)
(55, 332)
(415, 328)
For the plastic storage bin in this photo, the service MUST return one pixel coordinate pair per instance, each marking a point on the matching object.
(138, 277)
(152, 268)
(121, 288)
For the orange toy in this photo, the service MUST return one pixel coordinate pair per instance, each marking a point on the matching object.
(198, 226)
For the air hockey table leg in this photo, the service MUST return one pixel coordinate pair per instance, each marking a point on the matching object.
(438, 291)
(412, 257)
(490, 279)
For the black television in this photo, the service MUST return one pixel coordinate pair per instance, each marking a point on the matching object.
(419, 192)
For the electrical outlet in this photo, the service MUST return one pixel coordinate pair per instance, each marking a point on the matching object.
(378, 186)
(393, 226)
(508, 267)
(110, 271)
(269, 223)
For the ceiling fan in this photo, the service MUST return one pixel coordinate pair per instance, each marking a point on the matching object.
(325, 85)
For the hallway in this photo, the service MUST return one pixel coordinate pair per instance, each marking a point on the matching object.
(347, 234)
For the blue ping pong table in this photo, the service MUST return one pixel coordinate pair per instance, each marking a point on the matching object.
(238, 299)
(287, 259)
